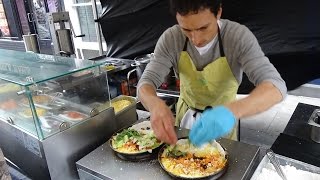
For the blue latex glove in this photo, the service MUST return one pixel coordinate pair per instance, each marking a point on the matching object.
(213, 123)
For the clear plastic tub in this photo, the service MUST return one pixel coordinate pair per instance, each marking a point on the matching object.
(265, 163)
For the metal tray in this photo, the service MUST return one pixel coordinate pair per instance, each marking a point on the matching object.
(285, 161)
(64, 116)
(99, 107)
(58, 101)
(9, 88)
(127, 115)
(50, 123)
(47, 99)
(9, 105)
(58, 106)
(132, 100)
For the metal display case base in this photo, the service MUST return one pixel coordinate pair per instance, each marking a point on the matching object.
(55, 157)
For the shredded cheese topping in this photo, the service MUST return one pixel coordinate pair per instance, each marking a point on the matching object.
(120, 104)
(187, 161)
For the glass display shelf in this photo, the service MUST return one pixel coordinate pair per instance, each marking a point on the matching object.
(27, 68)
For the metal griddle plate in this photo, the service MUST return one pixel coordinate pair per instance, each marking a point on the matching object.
(182, 134)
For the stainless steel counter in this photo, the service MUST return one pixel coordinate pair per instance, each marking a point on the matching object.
(102, 163)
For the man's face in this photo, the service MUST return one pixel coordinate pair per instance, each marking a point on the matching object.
(200, 28)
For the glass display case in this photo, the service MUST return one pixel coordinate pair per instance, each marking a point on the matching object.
(44, 94)
(49, 112)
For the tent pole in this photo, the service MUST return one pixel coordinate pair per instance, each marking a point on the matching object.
(97, 26)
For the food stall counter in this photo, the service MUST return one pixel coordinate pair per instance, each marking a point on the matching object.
(295, 142)
(102, 163)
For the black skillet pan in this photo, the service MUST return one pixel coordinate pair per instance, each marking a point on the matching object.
(214, 175)
(140, 156)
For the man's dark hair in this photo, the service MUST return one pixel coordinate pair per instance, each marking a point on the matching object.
(184, 7)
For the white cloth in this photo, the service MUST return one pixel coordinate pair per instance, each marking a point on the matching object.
(189, 118)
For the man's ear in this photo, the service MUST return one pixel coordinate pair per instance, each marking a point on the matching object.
(219, 13)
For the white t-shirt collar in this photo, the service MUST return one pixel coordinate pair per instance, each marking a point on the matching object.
(204, 49)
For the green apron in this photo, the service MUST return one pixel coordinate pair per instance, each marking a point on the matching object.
(214, 85)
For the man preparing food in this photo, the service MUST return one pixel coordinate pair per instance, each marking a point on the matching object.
(209, 55)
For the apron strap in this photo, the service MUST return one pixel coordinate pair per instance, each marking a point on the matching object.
(185, 44)
(220, 43)
(195, 109)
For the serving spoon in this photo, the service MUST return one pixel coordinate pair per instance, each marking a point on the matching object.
(274, 161)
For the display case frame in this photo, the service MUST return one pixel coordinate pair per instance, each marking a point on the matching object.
(66, 82)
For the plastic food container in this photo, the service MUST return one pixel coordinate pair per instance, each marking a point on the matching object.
(299, 165)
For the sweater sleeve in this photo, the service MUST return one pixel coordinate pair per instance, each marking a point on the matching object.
(165, 57)
(254, 62)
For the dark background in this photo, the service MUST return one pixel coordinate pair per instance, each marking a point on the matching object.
(287, 31)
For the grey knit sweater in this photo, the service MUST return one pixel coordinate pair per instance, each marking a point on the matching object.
(241, 49)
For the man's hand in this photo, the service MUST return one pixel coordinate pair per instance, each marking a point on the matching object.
(162, 121)
(213, 123)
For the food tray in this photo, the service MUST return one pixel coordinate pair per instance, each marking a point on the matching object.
(285, 161)
(41, 100)
(7, 88)
(50, 122)
(27, 112)
(132, 100)
(72, 106)
(8, 105)
(127, 115)
(65, 116)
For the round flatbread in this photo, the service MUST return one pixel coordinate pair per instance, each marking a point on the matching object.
(136, 139)
(184, 160)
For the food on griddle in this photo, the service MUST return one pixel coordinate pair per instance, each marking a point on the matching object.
(40, 112)
(8, 105)
(138, 138)
(39, 99)
(184, 160)
(120, 104)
